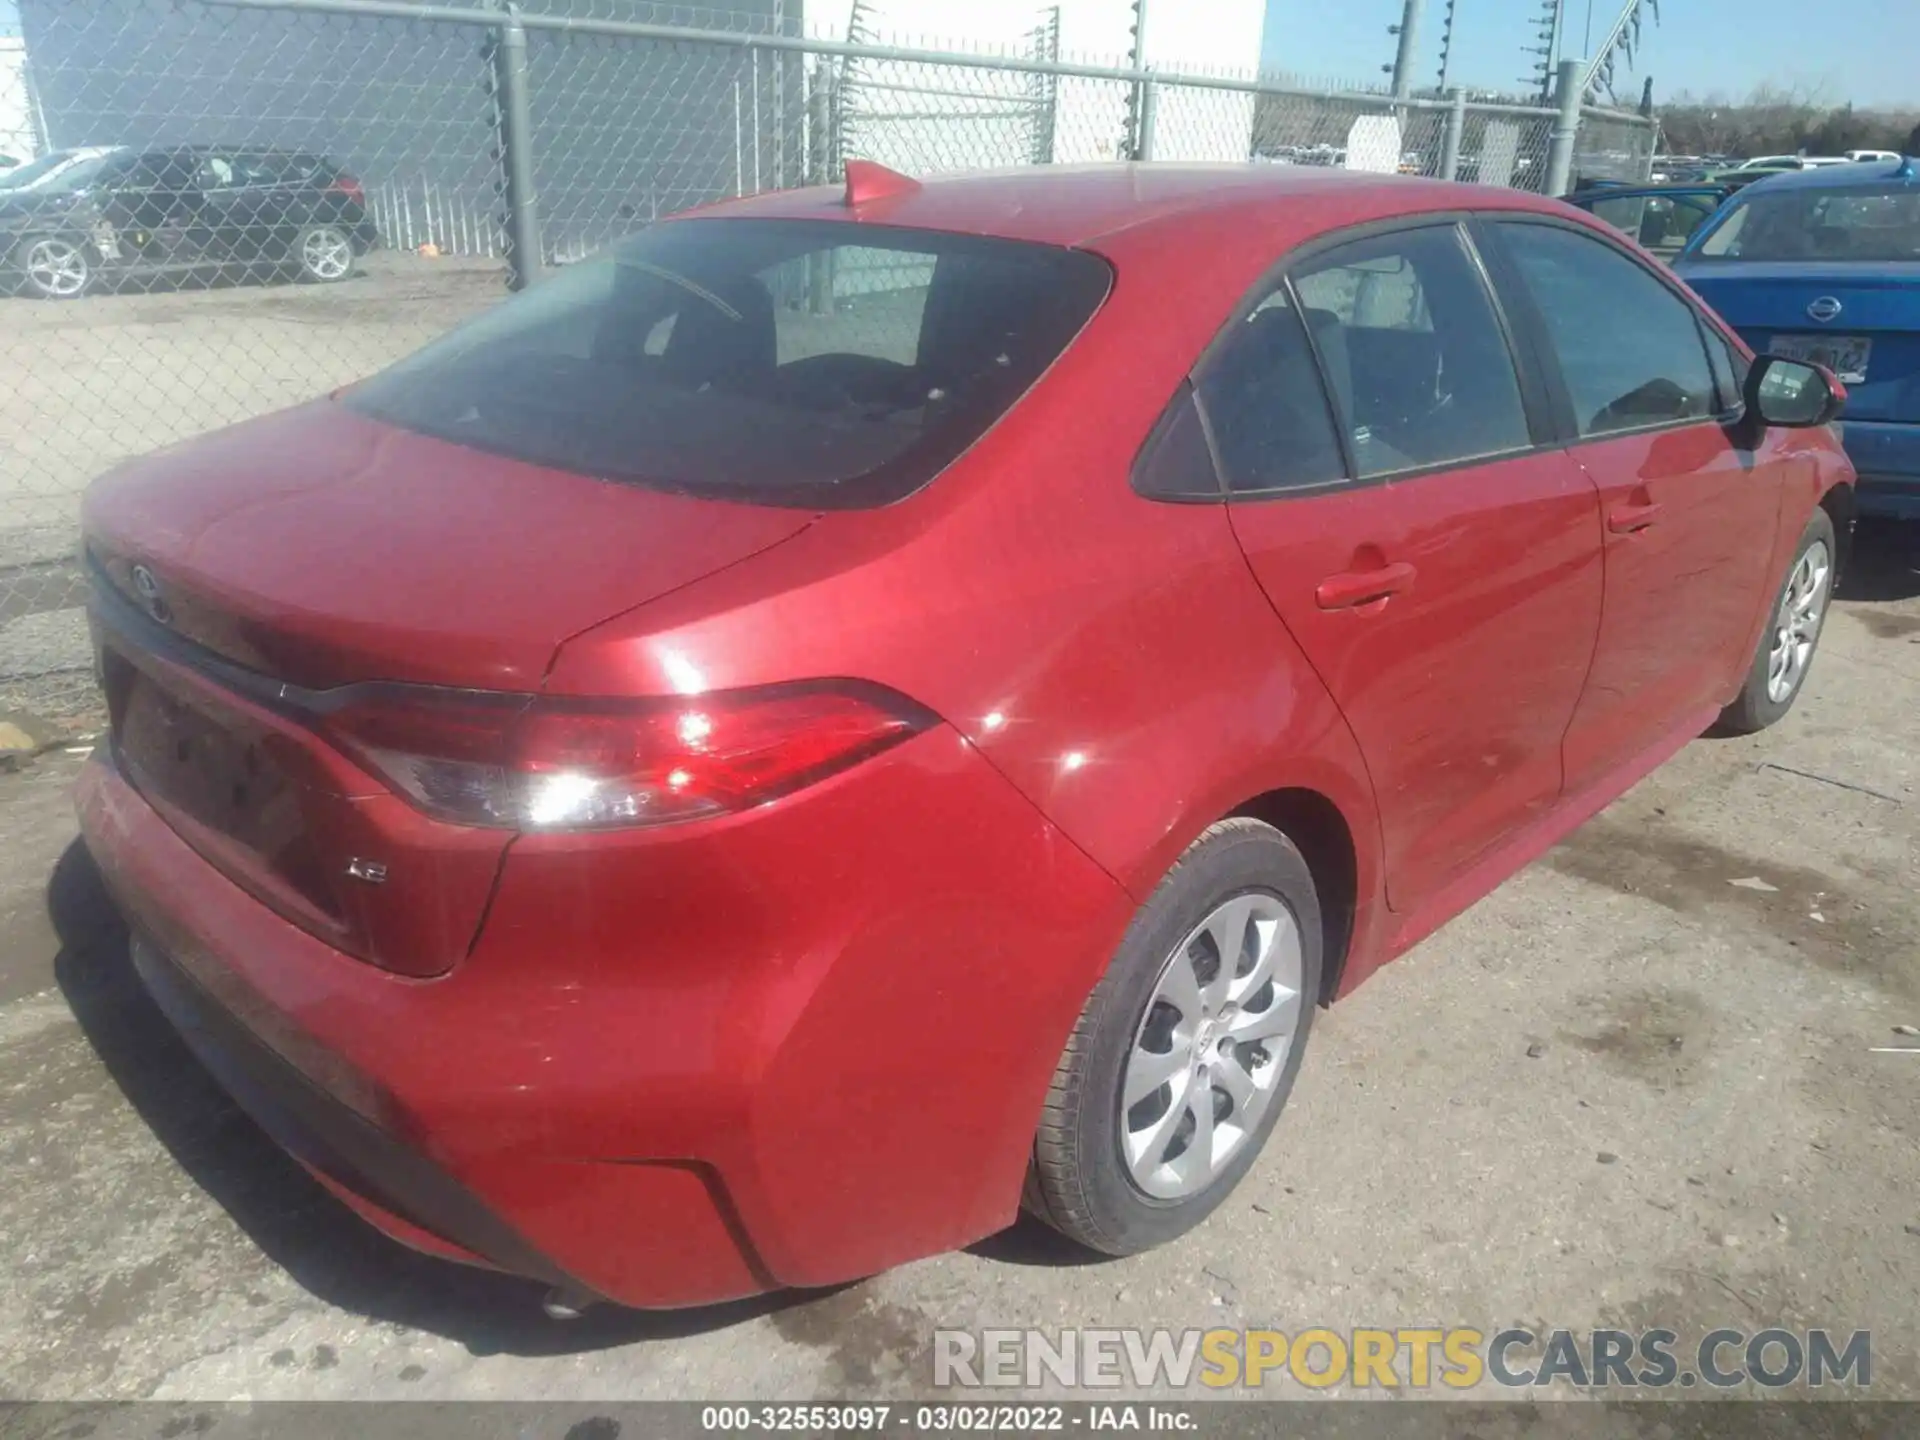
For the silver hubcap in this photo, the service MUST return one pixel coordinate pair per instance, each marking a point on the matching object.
(1210, 1049)
(56, 267)
(1797, 626)
(326, 255)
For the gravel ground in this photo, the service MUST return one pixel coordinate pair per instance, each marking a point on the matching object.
(1636, 1086)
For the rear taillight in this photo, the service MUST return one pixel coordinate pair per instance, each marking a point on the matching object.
(479, 758)
(348, 186)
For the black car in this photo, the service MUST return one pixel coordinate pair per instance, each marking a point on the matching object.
(76, 218)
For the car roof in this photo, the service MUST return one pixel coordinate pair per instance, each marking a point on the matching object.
(1838, 177)
(203, 148)
(1089, 205)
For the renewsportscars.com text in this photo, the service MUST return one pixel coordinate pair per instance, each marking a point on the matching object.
(1407, 1358)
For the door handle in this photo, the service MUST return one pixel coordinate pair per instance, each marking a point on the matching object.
(1632, 519)
(1357, 587)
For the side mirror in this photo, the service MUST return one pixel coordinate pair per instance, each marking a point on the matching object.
(1793, 393)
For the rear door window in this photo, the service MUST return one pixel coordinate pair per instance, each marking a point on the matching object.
(1413, 351)
(220, 171)
(768, 360)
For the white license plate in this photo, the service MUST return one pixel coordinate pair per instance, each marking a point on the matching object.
(1845, 355)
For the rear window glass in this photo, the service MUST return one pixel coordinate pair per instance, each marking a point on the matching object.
(815, 364)
(1800, 224)
(276, 168)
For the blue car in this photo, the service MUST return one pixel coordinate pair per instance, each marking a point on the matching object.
(1824, 265)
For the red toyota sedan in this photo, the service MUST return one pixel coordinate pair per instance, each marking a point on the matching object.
(858, 711)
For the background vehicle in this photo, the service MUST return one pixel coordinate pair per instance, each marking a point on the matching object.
(687, 824)
(34, 174)
(75, 217)
(1743, 175)
(1661, 217)
(1825, 266)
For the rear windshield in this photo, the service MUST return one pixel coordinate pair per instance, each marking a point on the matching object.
(1819, 224)
(803, 363)
(274, 167)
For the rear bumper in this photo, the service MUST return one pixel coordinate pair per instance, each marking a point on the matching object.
(786, 1049)
(385, 1181)
(1887, 457)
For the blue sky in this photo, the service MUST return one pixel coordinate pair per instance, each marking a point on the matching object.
(1699, 45)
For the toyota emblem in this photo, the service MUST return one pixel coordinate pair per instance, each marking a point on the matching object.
(148, 589)
(1824, 309)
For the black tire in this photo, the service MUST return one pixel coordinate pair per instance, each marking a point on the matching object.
(21, 261)
(335, 241)
(1757, 707)
(1078, 1181)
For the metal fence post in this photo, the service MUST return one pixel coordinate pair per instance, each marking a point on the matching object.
(516, 152)
(1566, 128)
(1149, 113)
(1456, 130)
(820, 115)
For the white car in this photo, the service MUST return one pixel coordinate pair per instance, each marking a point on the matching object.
(1861, 156)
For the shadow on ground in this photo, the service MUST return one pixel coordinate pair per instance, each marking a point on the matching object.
(321, 1244)
(1028, 1242)
(1885, 564)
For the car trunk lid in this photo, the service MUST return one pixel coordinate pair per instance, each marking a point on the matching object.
(322, 547)
(1872, 314)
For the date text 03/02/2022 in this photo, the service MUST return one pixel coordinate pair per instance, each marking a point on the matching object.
(941, 1417)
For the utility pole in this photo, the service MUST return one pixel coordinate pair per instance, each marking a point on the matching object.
(1446, 44)
(1547, 30)
(1137, 142)
(1409, 32)
(1566, 127)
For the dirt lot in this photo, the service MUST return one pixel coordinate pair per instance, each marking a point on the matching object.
(1637, 1086)
(86, 383)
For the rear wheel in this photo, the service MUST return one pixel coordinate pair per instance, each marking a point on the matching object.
(323, 254)
(1787, 646)
(1182, 1059)
(53, 267)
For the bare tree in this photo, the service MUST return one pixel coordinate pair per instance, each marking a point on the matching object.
(1782, 119)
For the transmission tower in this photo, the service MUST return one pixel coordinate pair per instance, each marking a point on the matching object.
(1620, 43)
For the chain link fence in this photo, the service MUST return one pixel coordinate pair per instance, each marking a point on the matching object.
(237, 205)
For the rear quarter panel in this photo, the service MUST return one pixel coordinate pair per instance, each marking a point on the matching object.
(1111, 656)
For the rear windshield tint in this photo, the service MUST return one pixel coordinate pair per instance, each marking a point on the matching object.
(815, 364)
(276, 167)
(1880, 225)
